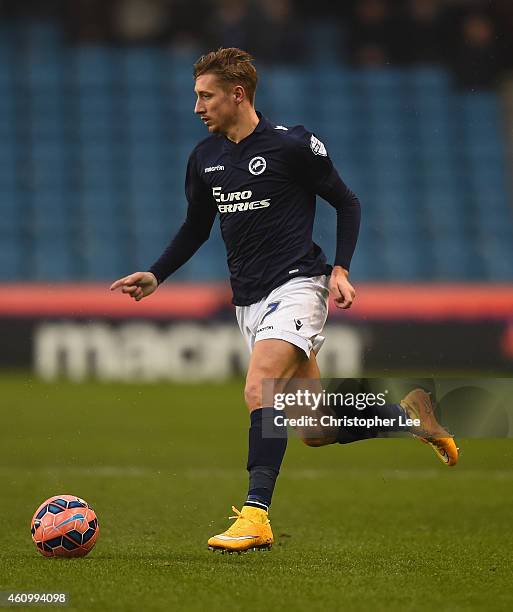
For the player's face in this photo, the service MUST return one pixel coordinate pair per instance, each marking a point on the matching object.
(214, 103)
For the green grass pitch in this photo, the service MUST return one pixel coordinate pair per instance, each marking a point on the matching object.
(377, 525)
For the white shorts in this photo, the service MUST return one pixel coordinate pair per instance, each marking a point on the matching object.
(295, 311)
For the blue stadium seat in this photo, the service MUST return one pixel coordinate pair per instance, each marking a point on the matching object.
(429, 79)
(453, 257)
(101, 211)
(12, 217)
(379, 82)
(53, 257)
(479, 108)
(144, 101)
(140, 67)
(209, 263)
(48, 164)
(295, 82)
(401, 258)
(491, 176)
(146, 202)
(8, 165)
(497, 255)
(363, 266)
(41, 36)
(105, 256)
(442, 219)
(43, 72)
(145, 175)
(149, 242)
(94, 66)
(324, 42)
(494, 224)
(51, 212)
(178, 80)
(12, 256)
(6, 72)
(99, 154)
(489, 199)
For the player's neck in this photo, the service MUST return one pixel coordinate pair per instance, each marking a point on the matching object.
(245, 126)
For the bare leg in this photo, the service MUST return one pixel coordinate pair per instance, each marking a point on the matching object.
(308, 376)
(271, 359)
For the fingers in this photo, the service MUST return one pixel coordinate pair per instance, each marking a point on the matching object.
(131, 279)
(130, 289)
(346, 303)
(344, 297)
(129, 285)
(134, 292)
(118, 283)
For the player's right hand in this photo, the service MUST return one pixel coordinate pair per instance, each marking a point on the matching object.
(137, 285)
(340, 287)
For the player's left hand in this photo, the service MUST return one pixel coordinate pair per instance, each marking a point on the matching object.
(341, 289)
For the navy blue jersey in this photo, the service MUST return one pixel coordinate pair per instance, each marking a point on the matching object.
(263, 189)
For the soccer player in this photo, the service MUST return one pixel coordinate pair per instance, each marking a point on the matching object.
(262, 179)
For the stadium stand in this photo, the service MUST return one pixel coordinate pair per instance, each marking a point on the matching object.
(94, 143)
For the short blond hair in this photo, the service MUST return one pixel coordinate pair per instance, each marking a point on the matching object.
(232, 66)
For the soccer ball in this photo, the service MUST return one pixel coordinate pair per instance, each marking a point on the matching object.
(64, 526)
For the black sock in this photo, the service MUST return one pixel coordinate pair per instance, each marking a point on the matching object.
(347, 435)
(267, 444)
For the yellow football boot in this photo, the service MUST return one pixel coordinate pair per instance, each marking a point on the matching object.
(251, 530)
(418, 405)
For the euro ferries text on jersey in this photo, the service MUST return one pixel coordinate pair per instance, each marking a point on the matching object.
(239, 201)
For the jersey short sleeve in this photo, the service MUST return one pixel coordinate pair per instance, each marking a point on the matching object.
(309, 161)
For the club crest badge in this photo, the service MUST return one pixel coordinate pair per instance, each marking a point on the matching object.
(257, 165)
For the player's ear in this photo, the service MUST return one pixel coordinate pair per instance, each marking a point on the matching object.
(238, 94)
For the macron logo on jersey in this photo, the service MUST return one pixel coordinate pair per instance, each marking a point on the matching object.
(239, 201)
(214, 168)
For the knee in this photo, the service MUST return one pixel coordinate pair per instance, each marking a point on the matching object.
(253, 395)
